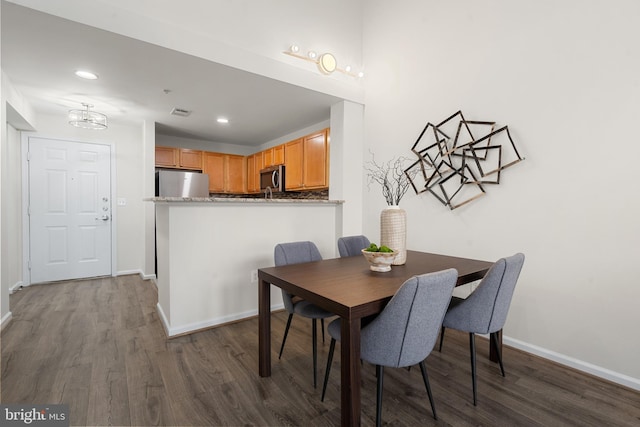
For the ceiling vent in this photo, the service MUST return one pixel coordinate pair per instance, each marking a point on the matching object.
(180, 112)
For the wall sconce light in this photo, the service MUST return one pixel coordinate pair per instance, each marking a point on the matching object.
(326, 62)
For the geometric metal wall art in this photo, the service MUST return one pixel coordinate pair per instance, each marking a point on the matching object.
(457, 158)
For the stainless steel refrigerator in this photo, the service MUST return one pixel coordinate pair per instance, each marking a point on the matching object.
(171, 183)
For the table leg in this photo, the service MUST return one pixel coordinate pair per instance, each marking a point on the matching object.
(264, 327)
(350, 372)
(493, 356)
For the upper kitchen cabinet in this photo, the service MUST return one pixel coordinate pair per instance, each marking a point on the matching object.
(167, 157)
(294, 164)
(213, 165)
(190, 159)
(227, 172)
(236, 173)
(307, 162)
(273, 156)
(254, 165)
(179, 158)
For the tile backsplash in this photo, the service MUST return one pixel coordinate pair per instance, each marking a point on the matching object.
(307, 195)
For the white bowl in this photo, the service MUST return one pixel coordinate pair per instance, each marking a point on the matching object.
(379, 261)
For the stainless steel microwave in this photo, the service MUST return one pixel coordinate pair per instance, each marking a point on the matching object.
(272, 178)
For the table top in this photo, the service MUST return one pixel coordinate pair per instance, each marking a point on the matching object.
(348, 288)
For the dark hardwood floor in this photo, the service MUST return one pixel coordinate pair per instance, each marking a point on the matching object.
(98, 346)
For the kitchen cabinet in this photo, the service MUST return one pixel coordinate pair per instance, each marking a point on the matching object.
(316, 160)
(167, 157)
(190, 159)
(254, 165)
(294, 164)
(214, 167)
(227, 172)
(236, 174)
(273, 156)
(307, 162)
(278, 154)
(178, 158)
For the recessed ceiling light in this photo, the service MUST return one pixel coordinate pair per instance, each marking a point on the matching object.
(222, 120)
(86, 75)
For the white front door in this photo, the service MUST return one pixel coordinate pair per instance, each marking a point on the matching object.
(69, 209)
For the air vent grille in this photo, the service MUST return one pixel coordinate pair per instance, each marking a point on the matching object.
(180, 112)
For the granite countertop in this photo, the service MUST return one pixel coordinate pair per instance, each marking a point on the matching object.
(240, 200)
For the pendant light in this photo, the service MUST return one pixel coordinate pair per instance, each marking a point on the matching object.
(87, 119)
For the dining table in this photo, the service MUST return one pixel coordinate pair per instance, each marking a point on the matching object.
(350, 289)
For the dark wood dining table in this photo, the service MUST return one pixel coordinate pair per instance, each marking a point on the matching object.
(348, 288)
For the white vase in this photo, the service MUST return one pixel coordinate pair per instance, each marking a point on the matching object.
(393, 232)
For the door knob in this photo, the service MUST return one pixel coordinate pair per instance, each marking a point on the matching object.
(104, 217)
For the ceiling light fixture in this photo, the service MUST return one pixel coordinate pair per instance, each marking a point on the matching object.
(222, 120)
(86, 74)
(87, 119)
(326, 62)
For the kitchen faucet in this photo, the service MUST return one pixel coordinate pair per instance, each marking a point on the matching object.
(268, 189)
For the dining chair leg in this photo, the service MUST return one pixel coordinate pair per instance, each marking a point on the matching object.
(472, 348)
(314, 335)
(332, 347)
(441, 339)
(322, 326)
(380, 375)
(286, 331)
(496, 347)
(425, 377)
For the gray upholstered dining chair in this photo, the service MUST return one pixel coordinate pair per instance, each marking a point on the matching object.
(352, 245)
(485, 310)
(296, 253)
(405, 331)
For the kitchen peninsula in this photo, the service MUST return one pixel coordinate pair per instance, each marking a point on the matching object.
(209, 250)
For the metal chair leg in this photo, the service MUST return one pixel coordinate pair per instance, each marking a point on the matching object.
(314, 334)
(332, 347)
(322, 326)
(379, 374)
(286, 332)
(472, 347)
(425, 377)
(441, 339)
(496, 347)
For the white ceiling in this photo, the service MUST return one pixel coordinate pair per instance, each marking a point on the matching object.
(40, 53)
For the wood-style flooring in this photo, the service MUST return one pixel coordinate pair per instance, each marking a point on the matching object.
(98, 346)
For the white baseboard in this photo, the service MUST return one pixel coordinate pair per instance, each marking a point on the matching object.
(5, 320)
(163, 318)
(198, 326)
(580, 365)
(138, 272)
(128, 272)
(15, 287)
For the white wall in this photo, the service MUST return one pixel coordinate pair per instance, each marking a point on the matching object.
(199, 144)
(130, 179)
(205, 266)
(16, 112)
(564, 78)
(11, 212)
